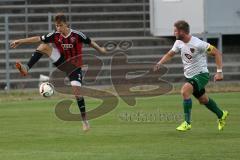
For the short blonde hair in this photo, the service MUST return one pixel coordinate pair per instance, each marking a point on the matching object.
(182, 25)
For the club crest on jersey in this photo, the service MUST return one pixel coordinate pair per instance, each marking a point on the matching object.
(67, 46)
(60, 40)
(192, 50)
(73, 40)
(188, 56)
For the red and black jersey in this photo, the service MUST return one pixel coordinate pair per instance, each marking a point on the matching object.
(69, 46)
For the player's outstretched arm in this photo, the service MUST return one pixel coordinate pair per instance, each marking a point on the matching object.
(16, 43)
(218, 60)
(97, 47)
(168, 56)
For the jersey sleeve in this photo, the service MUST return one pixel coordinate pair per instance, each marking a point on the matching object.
(176, 47)
(83, 38)
(204, 47)
(48, 38)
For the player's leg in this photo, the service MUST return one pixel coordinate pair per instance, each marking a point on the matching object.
(42, 49)
(200, 81)
(75, 76)
(76, 82)
(186, 91)
(80, 99)
(212, 106)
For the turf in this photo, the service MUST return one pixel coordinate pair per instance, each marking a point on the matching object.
(30, 130)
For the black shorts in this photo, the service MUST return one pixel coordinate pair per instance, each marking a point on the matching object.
(72, 72)
(76, 76)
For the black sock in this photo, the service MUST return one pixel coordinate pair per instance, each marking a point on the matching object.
(82, 108)
(34, 59)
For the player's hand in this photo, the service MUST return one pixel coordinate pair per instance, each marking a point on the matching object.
(218, 76)
(156, 67)
(15, 43)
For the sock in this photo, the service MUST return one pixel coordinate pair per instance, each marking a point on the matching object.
(187, 106)
(212, 106)
(34, 59)
(82, 108)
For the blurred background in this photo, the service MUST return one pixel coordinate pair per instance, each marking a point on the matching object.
(145, 26)
(130, 126)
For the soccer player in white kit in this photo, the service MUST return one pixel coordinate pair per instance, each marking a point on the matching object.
(194, 53)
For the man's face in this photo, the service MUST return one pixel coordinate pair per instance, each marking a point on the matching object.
(61, 27)
(179, 34)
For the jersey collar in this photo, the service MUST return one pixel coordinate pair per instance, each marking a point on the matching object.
(189, 40)
(68, 34)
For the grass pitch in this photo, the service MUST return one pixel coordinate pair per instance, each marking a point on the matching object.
(30, 130)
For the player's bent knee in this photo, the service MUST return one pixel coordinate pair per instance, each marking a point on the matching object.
(203, 100)
(45, 49)
(186, 95)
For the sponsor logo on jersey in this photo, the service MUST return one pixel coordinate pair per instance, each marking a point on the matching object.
(188, 56)
(67, 46)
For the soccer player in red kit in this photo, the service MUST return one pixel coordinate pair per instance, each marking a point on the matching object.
(66, 46)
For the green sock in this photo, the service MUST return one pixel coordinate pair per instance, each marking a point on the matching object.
(187, 106)
(212, 106)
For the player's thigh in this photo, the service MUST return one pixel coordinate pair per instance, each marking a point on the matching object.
(199, 82)
(45, 48)
(187, 90)
(75, 79)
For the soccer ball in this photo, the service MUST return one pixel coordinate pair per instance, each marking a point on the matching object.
(46, 89)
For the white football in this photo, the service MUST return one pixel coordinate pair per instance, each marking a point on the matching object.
(46, 89)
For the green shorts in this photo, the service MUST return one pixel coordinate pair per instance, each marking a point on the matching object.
(199, 82)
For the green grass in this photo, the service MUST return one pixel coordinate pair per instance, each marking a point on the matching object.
(30, 130)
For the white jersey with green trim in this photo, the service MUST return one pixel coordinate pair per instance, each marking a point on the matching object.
(194, 56)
